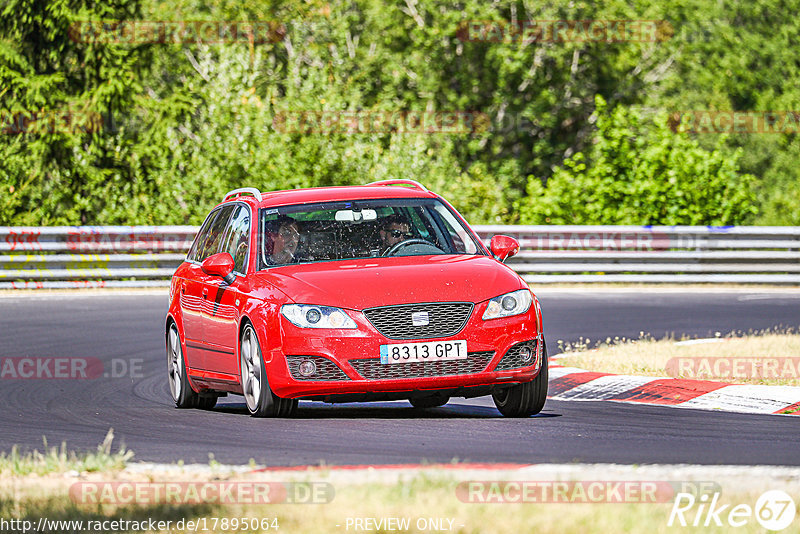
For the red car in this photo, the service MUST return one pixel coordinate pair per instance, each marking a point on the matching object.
(350, 294)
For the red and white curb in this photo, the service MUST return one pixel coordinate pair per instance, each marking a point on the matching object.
(573, 384)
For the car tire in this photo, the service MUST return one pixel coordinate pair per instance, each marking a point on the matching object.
(259, 398)
(182, 393)
(422, 403)
(524, 400)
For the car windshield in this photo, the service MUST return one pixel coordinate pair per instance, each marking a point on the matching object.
(332, 231)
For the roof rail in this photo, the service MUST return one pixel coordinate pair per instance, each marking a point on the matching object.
(402, 181)
(242, 190)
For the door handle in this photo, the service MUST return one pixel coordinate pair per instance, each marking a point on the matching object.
(205, 293)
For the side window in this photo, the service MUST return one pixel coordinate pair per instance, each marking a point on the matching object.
(461, 240)
(201, 236)
(237, 238)
(418, 224)
(213, 238)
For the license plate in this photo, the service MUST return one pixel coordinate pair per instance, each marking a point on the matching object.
(429, 351)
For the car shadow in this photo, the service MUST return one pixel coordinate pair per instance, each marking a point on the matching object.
(381, 410)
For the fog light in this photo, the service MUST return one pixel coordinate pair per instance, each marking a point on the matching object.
(525, 353)
(307, 368)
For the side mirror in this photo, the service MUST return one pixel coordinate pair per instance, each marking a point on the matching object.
(219, 265)
(503, 247)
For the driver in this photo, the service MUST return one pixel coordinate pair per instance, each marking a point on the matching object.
(396, 228)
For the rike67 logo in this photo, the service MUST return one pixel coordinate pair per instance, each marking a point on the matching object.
(774, 510)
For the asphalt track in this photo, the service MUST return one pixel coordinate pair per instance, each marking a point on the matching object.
(128, 329)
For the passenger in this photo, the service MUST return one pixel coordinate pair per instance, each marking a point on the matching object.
(283, 236)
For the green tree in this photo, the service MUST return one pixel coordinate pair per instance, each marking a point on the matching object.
(56, 168)
(183, 122)
(639, 171)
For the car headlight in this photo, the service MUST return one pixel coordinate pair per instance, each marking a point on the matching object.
(309, 316)
(513, 303)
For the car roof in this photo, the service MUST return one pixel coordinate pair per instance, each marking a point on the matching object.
(328, 194)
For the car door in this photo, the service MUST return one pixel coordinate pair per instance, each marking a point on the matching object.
(194, 301)
(191, 296)
(221, 319)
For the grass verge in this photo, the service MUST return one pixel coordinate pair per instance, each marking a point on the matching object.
(431, 501)
(765, 358)
(58, 492)
(59, 460)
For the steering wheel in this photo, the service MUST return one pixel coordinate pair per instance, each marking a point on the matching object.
(407, 242)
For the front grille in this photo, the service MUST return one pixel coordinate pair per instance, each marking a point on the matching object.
(326, 369)
(373, 369)
(512, 359)
(444, 319)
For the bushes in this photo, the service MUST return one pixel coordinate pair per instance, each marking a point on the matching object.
(183, 123)
(640, 172)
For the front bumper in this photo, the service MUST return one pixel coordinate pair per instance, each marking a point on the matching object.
(349, 368)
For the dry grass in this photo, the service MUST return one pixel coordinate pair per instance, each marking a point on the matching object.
(415, 498)
(767, 358)
(59, 460)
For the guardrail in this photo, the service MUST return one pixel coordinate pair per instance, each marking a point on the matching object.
(655, 254)
(91, 256)
(146, 256)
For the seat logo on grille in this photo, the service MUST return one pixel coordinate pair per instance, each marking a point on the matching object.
(420, 319)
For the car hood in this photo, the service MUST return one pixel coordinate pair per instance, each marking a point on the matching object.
(365, 283)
